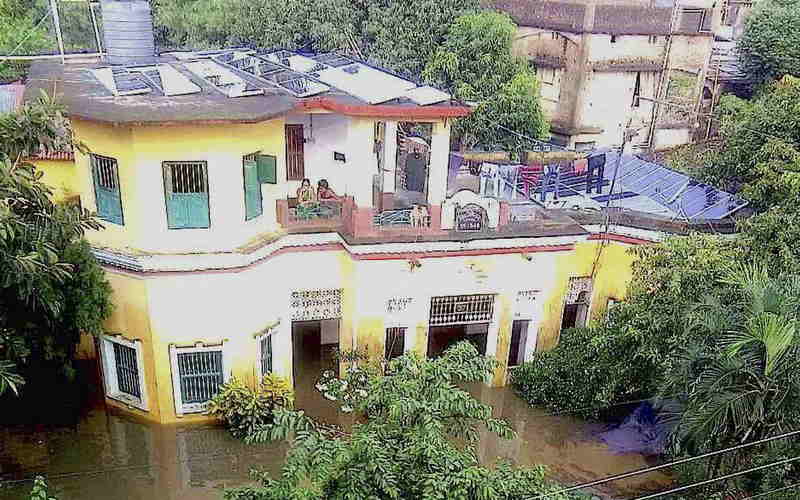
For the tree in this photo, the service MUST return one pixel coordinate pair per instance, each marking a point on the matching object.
(624, 358)
(20, 29)
(417, 439)
(759, 154)
(770, 45)
(477, 63)
(737, 382)
(51, 288)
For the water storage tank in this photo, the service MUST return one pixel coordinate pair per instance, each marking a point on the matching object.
(128, 32)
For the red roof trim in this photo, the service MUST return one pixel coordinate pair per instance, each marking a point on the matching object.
(620, 238)
(383, 111)
(373, 256)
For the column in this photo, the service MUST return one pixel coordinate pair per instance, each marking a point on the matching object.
(390, 158)
(440, 157)
(360, 165)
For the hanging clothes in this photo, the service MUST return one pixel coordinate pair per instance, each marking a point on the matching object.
(581, 166)
(416, 170)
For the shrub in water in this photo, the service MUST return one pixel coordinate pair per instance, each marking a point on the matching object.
(244, 409)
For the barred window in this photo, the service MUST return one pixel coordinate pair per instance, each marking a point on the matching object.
(265, 354)
(197, 374)
(123, 371)
(108, 200)
(186, 195)
(461, 309)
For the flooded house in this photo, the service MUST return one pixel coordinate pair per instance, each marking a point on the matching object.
(263, 208)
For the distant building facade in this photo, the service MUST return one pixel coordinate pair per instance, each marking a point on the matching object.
(600, 63)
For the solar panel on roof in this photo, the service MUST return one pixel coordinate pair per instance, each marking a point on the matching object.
(129, 84)
(677, 192)
(426, 95)
(294, 82)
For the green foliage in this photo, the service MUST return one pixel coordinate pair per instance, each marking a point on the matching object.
(417, 440)
(244, 409)
(477, 63)
(759, 152)
(18, 20)
(401, 35)
(40, 490)
(770, 45)
(51, 288)
(625, 358)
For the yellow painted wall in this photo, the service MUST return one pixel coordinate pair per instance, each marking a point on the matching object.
(140, 152)
(60, 176)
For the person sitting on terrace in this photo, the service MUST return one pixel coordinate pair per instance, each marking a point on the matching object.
(305, 194)
(324, 192)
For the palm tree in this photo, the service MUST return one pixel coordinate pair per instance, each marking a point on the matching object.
(738, 378)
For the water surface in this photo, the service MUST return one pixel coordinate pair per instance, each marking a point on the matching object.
(102, 455)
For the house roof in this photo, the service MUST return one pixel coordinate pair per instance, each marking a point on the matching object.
(609, 18)
(235, 86)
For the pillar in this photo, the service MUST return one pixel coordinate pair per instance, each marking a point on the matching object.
(361, 165)
(390, 158)
(440, 158)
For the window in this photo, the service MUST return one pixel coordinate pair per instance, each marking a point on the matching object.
(519, 340)
(197, 373)
(186, 194)
(123, 371)
(637, 89)
(547, 75)
(253, 206)
(264, 360)
(611, 304)
(576, 304)
(461, 309)
(295, 161)
(395, 342)
(695, 21)
(106, 189)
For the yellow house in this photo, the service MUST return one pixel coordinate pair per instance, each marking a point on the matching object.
(224, 263)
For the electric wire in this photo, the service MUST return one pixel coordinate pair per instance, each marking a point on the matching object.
(791, 486)
(667, 465)
(716, 479)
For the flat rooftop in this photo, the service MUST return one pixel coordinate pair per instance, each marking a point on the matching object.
(234, 86)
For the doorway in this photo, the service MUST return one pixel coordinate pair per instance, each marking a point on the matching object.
(440, 338)
(413, 160)
(519, 340)
(313, 347)
(576, 313)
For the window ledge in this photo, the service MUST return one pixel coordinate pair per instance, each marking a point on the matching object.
(128, 400)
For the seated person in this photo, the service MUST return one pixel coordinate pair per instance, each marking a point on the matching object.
(305, 194)
(324, 192)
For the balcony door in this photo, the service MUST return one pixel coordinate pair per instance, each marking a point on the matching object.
(295, 153)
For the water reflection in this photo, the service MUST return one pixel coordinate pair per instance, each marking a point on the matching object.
(110, 456)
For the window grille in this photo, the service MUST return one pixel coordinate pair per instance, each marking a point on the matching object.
(253, 206)
(470, 217)
(461, 309)
(295, 152)
(186, 194)
(123, 371)
(105, 174)
(127, 370)
(200, 375)
(395, 342)
(265, 354)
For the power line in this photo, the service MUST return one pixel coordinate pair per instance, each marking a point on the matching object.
(795, 485)
(716, 479)
(666, 465)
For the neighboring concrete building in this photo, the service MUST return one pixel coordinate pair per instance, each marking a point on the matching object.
(594, 58)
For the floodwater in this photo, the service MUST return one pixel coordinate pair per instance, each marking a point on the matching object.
(101, 455)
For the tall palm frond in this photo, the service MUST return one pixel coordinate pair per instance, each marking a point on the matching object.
(765, 340)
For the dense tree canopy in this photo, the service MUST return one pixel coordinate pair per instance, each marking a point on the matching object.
(51, 288)
(770, 45)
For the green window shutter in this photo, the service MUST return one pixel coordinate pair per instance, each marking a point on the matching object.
(252, 190)
(267, 169)
(105, 175)
(186, 194)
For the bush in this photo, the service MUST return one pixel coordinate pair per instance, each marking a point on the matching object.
(583, 375)
(244, 409)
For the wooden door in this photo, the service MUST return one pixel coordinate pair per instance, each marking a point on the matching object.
(295, 154)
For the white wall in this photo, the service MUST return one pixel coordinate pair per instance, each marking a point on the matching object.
(325, 134)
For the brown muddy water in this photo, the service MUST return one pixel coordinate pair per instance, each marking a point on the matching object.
(103, 455)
